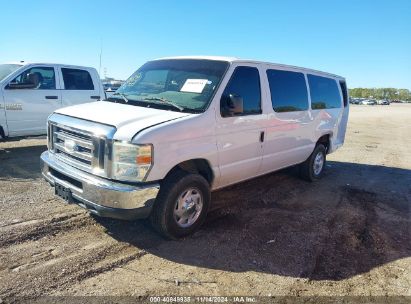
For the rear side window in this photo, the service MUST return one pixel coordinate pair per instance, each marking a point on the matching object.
(245, 83)
(288, 91)
(75, 79)
(324, 93)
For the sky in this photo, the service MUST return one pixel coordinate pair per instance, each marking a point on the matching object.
(368, 42)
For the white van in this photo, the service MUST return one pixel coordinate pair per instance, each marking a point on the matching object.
(182, 127)
(30, 92)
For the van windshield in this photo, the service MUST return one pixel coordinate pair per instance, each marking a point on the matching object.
(173, 84)
(7, 69)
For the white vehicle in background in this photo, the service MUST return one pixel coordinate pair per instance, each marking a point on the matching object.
(30, 92)
(182, 127)
(369, 102)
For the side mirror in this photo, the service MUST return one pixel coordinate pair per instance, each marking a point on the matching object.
(16, 86)
(231, 105)
(236, 105)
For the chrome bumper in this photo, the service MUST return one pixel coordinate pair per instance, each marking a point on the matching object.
(100, 196)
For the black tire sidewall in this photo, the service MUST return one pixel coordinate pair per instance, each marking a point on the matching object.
(187, 181)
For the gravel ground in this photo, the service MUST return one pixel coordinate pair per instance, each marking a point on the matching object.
(347, 234)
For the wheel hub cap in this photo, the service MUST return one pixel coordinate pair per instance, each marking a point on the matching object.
(318, 163)
(188, 207)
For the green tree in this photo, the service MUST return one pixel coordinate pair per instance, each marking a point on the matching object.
(381, 93)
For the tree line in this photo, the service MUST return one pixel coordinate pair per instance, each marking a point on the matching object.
(381, 93)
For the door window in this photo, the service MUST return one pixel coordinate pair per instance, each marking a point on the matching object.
(244, 84)
(324, 93)
(288, 91)
(75, 79)
(42, 78)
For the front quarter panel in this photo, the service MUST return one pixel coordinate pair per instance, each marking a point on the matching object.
(187, 138)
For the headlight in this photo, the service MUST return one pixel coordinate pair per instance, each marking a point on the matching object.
(131, 162)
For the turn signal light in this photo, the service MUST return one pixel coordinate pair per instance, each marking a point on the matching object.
(143, 159)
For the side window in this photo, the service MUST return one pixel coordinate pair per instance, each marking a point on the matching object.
(288, 91)
(37, 78)
(75, 79)
(324, 93)
(244, 85)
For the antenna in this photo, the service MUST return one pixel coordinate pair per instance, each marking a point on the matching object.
(101, 53)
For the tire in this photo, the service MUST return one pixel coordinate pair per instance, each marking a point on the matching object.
(179, 199)
(312, 169)
(2, 134)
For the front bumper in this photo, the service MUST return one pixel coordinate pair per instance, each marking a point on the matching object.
(98, 195)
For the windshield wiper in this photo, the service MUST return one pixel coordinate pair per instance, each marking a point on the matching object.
(165, 101)
(124, 96)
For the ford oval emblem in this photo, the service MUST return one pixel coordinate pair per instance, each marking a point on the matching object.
(70, 145)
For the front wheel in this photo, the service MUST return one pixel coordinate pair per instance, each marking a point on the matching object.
(313, 167)
(182, 205)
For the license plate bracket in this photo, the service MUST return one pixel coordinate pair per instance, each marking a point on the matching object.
(63, 192)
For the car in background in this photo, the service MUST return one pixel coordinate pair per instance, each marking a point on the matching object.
(384, 102)
(111, 87)
(369, 102)
(30, 92)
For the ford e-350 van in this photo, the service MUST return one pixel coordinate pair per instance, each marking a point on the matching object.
(182, 127)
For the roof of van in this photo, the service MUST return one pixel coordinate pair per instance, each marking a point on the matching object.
(239, 60)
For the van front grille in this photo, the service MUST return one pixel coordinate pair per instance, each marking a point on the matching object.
(77, 148)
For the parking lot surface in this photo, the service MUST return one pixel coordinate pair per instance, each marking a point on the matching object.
(347, 234)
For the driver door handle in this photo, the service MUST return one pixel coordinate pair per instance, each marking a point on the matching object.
(262, 136)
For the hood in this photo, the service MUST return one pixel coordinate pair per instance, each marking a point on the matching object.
(128, 119)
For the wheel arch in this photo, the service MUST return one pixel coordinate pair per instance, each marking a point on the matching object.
(325, 139)
(198, 165)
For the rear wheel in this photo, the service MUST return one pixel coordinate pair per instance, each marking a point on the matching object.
(182, 205)
(313, 167)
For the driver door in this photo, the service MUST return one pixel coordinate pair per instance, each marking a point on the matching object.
(29, 99)
(240, 135)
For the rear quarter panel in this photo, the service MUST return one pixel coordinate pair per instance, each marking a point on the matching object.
(332, 122)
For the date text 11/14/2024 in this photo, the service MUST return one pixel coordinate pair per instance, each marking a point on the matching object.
(203, 299)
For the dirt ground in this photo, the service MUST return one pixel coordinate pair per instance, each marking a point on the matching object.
(347, 234)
